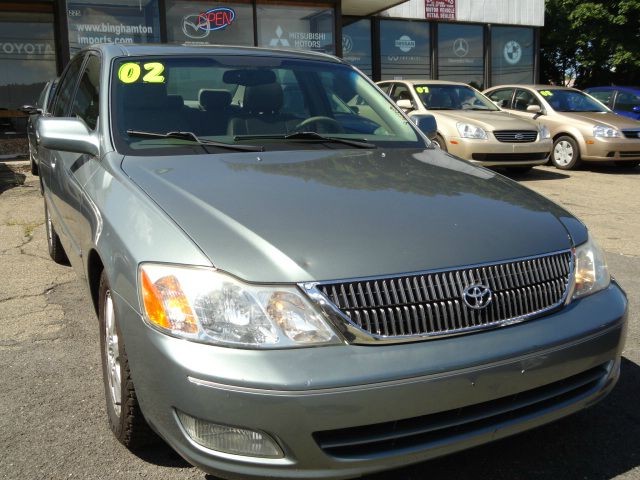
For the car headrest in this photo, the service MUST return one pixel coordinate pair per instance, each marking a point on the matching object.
(145, 96)
(175, 102)
(214, 99)
(265, 98)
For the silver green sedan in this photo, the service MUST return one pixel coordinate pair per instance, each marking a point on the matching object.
(291, 282)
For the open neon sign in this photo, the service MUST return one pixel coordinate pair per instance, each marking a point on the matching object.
(216, 19)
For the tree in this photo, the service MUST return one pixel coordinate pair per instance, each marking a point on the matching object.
(591, 43)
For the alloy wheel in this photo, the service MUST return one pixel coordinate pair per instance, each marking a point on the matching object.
(113, 354)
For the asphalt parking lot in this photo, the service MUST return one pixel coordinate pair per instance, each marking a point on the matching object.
(52, 419)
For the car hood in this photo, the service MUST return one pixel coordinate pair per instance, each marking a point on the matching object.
(332, 214)
(489, 121)
(603, 118)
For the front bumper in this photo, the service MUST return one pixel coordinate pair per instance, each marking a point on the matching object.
(611, 149)
(300, 396)
(492, 153)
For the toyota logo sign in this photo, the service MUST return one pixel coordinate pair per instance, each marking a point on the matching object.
(477, 296)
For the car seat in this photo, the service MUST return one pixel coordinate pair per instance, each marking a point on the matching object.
(261, 112)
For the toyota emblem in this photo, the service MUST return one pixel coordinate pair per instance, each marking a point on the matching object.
(477, 296)
(519, 136)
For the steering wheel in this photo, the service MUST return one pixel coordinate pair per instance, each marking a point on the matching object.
(331, 124)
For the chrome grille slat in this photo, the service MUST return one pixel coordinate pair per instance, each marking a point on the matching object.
(431, 304)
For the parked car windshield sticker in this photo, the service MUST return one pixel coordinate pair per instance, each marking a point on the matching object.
(422, 89)
(546, 93)
(130, 72)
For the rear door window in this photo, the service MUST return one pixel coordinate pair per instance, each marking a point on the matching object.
(86, 102)
(67, 88)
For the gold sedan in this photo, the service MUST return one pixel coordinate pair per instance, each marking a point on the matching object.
(472, 127)
(583, 129)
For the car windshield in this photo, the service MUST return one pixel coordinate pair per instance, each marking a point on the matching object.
(452, 97)
(192, 103)
(571, 101)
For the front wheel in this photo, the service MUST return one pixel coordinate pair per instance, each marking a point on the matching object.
(34, 165)
(56, 250)
(439, 142)
(565, 154)
(123, 411)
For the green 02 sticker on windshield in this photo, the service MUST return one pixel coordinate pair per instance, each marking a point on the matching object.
(546, 93)
(130, 72)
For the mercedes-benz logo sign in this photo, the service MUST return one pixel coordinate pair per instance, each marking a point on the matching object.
(460, 47)
(477, 296)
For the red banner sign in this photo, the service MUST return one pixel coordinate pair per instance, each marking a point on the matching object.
(440, 9)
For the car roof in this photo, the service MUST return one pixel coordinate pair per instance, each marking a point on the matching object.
(614, 87)
(421, 81)
(120, 50)
(532, 86)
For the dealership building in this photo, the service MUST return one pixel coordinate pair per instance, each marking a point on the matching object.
(482, 43)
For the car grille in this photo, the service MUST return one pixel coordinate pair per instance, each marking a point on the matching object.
(432, 304)
(516, 136)
(436, 430)
(629, 154)
(631, 133)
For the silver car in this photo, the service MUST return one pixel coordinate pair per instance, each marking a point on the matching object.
(289, 285)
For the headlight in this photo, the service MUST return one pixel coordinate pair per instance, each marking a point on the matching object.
(468, 130)
(591, 272)
(602, 131)
(207, 306)
(544, 132)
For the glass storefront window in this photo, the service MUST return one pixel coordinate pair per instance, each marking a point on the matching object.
(460, 54)
(127, 21)
(294, 25)
(201, 22)
(404, 48)
(512, 53)
(27, 62)
(356, 45)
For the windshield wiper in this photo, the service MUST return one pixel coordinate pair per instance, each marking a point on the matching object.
(193, 137)
(310, 136)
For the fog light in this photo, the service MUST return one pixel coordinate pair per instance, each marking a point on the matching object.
(234, 440)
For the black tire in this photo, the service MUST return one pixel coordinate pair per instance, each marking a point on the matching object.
(439, 142)
(631, 164)
(34, 166)
(125, 417)
(565, 154)
(56, 250)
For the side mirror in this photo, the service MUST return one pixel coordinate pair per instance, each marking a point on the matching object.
(533, 109)
(498, 103)
(405, 104)
(68, 135)
(427, 124)
(30, 110)
(636, 109)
